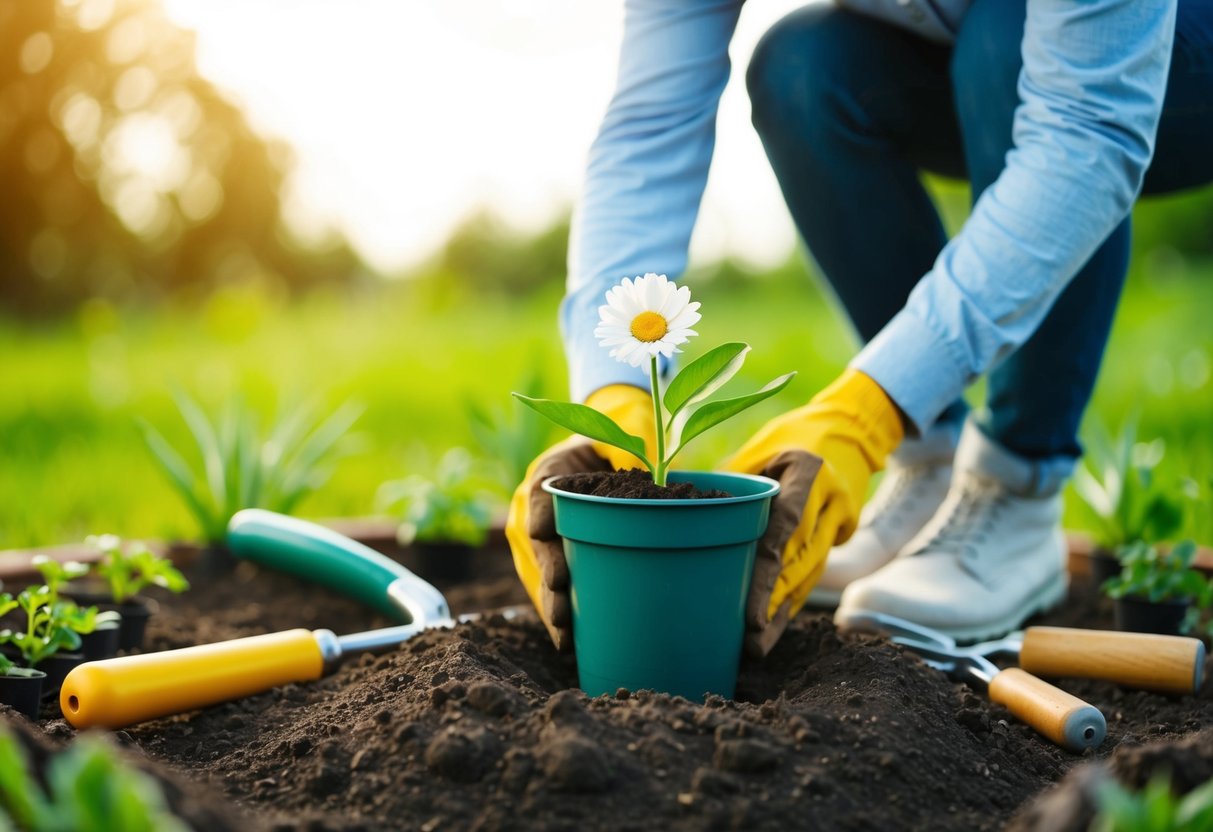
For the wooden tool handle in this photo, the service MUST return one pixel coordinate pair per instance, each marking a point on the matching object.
(1063, 718)
(1168, 664)
(114, 693)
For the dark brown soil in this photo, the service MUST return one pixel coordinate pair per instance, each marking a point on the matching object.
(633, 484)
(479, 728)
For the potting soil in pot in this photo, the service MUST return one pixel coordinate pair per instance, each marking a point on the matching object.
(633, 484)
(477, 728)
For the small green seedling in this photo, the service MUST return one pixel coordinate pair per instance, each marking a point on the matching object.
(129, 568)
(645, 320)
(451, 508)
(1122, 492)
(48, 629)
(87, 788)
(7, 666)
(1156, 575)
(243, 467)
(1155, 808)
(55, 574)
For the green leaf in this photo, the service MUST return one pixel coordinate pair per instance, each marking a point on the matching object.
(1092, 492)
(588, 422)
(208, 443)
(246, 458)
(713, 413)
(180, 477)
(20, 794)
(1163, 518)
(302, 473)
(704, 376)
(1196, 808)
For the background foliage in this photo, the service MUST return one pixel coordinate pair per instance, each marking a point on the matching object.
(145, 244)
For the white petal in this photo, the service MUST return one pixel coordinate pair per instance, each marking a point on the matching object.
(605, 330)
(609, 312)
(626, 348)
(654, 291)
(675, 303)
(688, 318)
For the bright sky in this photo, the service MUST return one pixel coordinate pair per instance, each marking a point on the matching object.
(407, 115)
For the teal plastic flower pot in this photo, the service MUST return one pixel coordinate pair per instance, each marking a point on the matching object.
(658, 587)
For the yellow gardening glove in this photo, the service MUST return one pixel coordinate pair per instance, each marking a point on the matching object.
(823, 455)
(531, 525)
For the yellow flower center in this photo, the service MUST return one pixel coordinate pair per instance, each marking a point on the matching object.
(649, 327)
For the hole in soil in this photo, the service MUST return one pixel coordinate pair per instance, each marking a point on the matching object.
(73, 704)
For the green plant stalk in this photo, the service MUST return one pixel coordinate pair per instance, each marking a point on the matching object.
(659, 472)
(31, 622)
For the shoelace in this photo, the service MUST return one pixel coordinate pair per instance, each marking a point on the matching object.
(887, 504)
(971, 518)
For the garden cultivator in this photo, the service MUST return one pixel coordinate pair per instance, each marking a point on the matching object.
(118, 692)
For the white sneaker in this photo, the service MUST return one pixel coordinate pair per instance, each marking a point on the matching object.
(914, 485)
(992, 556)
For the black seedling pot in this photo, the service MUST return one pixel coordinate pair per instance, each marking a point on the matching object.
(1104, 565)
(1140, 615)
(134, 611)
(444, 561)
(21, 689)
(56, 668)
(103, 642)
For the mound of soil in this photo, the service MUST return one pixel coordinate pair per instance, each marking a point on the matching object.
(481, 727)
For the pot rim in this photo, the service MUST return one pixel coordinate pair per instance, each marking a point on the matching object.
(772, 489)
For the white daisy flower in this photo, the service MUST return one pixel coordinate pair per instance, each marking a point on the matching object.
(645, 318)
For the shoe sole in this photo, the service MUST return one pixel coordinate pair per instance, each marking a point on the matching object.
(1047, 598)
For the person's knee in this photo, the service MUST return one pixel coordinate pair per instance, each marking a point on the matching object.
(793, 65)
(988, 55)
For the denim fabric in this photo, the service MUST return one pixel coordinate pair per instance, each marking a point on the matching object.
(848, 134)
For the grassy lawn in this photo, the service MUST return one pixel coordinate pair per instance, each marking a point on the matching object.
(72, 460)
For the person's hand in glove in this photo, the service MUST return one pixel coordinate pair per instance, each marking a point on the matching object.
(531, 525)
(823, 455)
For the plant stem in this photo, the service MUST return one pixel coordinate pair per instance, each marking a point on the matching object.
(659, 468)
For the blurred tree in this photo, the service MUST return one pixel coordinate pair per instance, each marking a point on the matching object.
(124, 174)
(484, 254)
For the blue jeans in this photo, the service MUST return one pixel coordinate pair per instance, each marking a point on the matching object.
(850, 111)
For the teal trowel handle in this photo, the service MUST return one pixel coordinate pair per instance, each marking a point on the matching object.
(323, 556)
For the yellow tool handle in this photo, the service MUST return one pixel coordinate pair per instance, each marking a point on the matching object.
(118, 692)
(1063, 718)
(1168, 664)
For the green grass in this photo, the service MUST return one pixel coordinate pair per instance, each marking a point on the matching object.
(72, 461)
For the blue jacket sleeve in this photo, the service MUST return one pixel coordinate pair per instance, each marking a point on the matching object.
(647, 168)
(1091, 93)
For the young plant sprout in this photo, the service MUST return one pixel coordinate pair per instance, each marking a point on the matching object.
(450, 508)
(243, 465)
(48, 629)
(1158, 576)
(643, 321)
(128, 569)
(56, 574)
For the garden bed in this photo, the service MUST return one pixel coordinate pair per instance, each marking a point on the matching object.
(479, 727)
